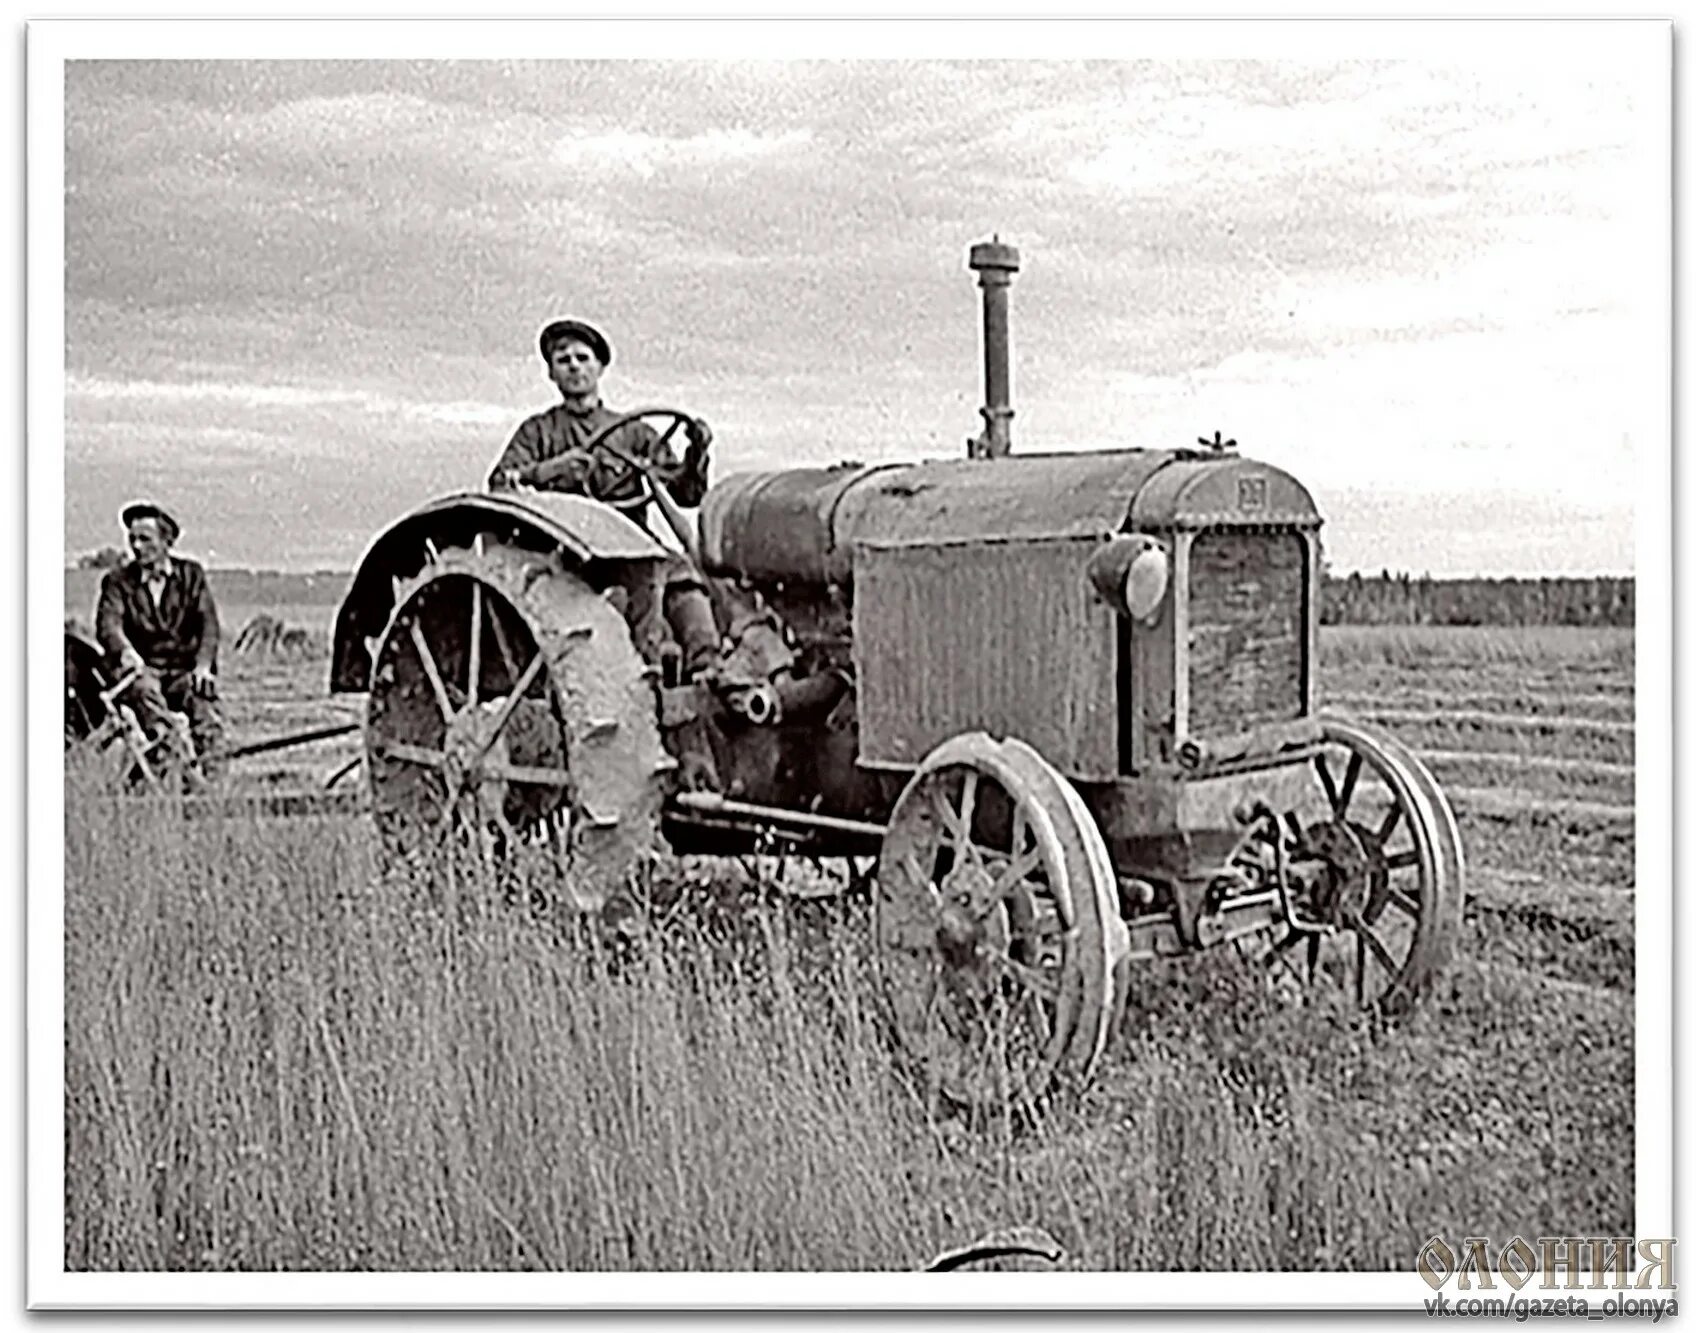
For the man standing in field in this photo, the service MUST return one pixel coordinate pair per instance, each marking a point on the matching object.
(548, 452)
(156, 617)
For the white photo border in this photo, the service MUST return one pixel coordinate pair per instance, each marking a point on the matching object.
(52, 44)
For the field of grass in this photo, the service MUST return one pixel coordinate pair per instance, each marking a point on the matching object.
(1557, 646)
(280, 1056)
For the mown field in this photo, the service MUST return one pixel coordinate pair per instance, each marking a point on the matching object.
(278, 1057)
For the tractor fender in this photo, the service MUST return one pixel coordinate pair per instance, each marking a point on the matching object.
(579, 531)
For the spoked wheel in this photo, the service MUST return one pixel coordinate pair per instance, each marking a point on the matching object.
(997, 924)
(1376, 869)
(509, 716)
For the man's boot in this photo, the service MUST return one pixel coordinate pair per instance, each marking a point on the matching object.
(206, 734)
(691, 618)
(175, 760)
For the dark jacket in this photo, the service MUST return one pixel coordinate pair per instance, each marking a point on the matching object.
(561, 431)
(179, 635)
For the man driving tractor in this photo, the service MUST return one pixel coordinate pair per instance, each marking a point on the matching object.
(558, 450)
(156, 618)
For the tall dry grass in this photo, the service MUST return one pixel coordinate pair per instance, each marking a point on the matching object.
(275, 1058)
(278, 1057)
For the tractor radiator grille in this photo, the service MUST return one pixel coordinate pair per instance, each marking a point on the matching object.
(1246, 639)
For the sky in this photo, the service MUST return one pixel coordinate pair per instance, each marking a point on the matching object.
(302, 298)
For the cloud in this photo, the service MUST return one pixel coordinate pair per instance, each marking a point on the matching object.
(647, 154)
(153, 393)
(271, 261)
(242, 395)
(1513, 532)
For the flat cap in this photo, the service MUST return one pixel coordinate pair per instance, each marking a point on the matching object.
(143, 509)
(572, 328)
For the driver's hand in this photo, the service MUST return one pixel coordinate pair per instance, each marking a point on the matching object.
(572, 469)
(698, 437)
(129, 660)
(203, 682)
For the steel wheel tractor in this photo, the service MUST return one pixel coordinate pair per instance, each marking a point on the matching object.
(1068, 701)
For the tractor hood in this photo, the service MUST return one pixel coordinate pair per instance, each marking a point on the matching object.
(803, 524)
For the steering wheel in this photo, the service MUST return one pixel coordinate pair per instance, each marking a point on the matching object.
(632, 468)
(669, 511)
(598, 443)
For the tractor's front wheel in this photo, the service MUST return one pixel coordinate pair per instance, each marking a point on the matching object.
(996, 921)
(1374, 867)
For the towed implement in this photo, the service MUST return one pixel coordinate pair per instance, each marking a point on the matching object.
(1068, 702)
(107, 746)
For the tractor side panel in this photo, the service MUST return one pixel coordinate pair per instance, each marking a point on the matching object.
(1004, 637)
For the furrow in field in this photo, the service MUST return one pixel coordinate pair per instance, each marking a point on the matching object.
(1567, 978)
(1551, 853)
(1528, 806)
(1583, 709)
(1460, 681)
(1538, 725)
(1570, 787)
(1495, 734)
(1605, 770)
(1560, 929)
(1564, 897)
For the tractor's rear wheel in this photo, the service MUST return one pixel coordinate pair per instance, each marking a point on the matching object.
(509, 717)
(997, 928)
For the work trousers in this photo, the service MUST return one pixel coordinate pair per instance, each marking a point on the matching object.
(156, 695)
(671, 597)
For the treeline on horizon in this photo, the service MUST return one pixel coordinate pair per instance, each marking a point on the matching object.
(1347, 599)
(1403, 599)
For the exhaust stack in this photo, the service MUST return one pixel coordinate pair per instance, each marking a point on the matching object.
(996, 263)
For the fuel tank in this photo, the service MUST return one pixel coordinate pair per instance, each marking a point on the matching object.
(802, 525)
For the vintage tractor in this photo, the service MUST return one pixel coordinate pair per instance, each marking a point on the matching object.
(1068, 701)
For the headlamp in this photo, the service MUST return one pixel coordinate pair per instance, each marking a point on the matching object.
(1131, 573)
